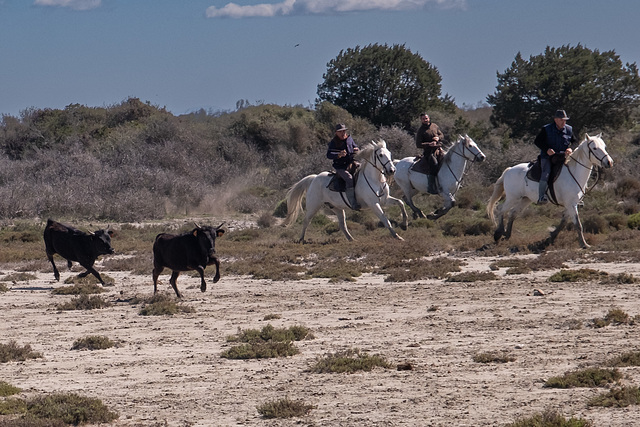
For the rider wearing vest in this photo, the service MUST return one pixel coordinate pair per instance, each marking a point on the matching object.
(554, 139)
(342, 149)
(430, 138)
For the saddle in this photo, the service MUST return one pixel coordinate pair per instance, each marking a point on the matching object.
(421, 164)
(535, 171)
(337, 184)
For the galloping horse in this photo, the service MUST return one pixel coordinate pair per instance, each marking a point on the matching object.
(570, 188)
(449, 176)
(372, 191)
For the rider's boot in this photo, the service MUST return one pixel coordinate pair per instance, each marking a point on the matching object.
(432, 187)
(542, 193)
(351, 197)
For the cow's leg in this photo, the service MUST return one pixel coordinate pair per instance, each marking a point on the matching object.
(174, 282)
(217, 263)
(203, 284)
(93, 271)
(156, 272)
(56, 273)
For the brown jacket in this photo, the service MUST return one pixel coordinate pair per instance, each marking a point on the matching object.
(425, 135)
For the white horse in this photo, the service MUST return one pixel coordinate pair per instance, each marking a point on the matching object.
(570, 187)
(450, 175)
(372, 191)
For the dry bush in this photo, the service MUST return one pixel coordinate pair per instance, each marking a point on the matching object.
(163, 305)
(92, 342)
(284, 408)
(349, 361)
(84, 302)
(550, 418)
(589, 377)
(619, 397)
(12, 351)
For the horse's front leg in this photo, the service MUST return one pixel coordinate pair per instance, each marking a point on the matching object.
(383, 218)
(342, 223)
(405, 218)
(573, 212)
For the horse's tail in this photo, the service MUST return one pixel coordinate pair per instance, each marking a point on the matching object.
(498, 191)
(294, 199)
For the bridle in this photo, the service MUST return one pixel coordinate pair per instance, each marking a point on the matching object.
(589, 166)
(382, 171)
(465, 169)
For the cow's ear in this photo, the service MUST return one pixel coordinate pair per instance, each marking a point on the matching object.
(110, 232)
(195, 232)
(219, 232)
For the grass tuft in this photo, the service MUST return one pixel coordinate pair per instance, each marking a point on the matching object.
(7, 389)
(70, 408)
(79, 289)
(492, 357)
(617, 398)
(284, 408)
(163, 305)
(550, 418)
(92, 342)
(12, 351)
(84, 302)
(348, 361)
(590, 377)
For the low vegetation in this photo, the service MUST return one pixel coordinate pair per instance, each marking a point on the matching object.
(163, 305)
(93, 342)
(284, 408)
(7, 389)
(493, 357)
(618, 397)
(13, 352)
(349, 361)
(615, 316)
(550, 418)
(79, 289)
(84, 302)
(589, 377)
(267, 342)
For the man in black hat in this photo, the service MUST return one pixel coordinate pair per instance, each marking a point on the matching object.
(342, 149)
(554, 142)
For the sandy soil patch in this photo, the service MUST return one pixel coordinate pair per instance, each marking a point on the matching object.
(168, 370)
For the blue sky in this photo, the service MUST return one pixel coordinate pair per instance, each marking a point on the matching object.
(192, 54)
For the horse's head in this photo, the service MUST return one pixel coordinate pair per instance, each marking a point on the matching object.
(378, 155)
(597, 151)
(469, 149)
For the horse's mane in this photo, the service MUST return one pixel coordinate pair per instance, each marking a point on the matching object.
(448, 152)
(367, 148)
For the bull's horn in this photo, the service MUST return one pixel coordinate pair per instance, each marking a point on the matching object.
(220, 226)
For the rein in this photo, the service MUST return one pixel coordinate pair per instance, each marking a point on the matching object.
(586, 189)
(465, 170)
(382, 172)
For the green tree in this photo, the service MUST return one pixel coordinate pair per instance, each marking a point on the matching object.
(387, 85)
(595, 89)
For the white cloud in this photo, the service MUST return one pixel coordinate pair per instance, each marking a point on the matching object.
(322, 7)
(73, 4)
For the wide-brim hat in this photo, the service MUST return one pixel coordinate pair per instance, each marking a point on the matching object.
(340, 126)
(561, 114)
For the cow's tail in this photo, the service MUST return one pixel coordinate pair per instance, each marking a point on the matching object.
(294, 199)
(498, 191)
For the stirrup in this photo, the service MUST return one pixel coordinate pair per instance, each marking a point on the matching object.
(543, 200)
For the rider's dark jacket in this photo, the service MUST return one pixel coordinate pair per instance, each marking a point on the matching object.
(552, 137)
(336, 145)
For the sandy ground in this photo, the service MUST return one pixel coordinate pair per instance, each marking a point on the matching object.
(168, 370)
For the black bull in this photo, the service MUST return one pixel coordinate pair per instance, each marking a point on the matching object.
(75, 245)
(190, 251)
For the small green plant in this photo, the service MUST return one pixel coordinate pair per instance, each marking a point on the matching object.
(615, 316)
(550, 418)
(7, 389)
(13, 351)
(12, 406)
(272, 317)
(92, 342)
(617, 398)
(284, 408)
(79, 289)
(269, 333)
(493, 357)
(3, 287)
(261, 350)
(163, 305)
(70, 408)
(590, 377)
(348, 361)
(84, 302)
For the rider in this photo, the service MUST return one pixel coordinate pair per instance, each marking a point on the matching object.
(342, 149)
(430, 138)
(554, 139)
